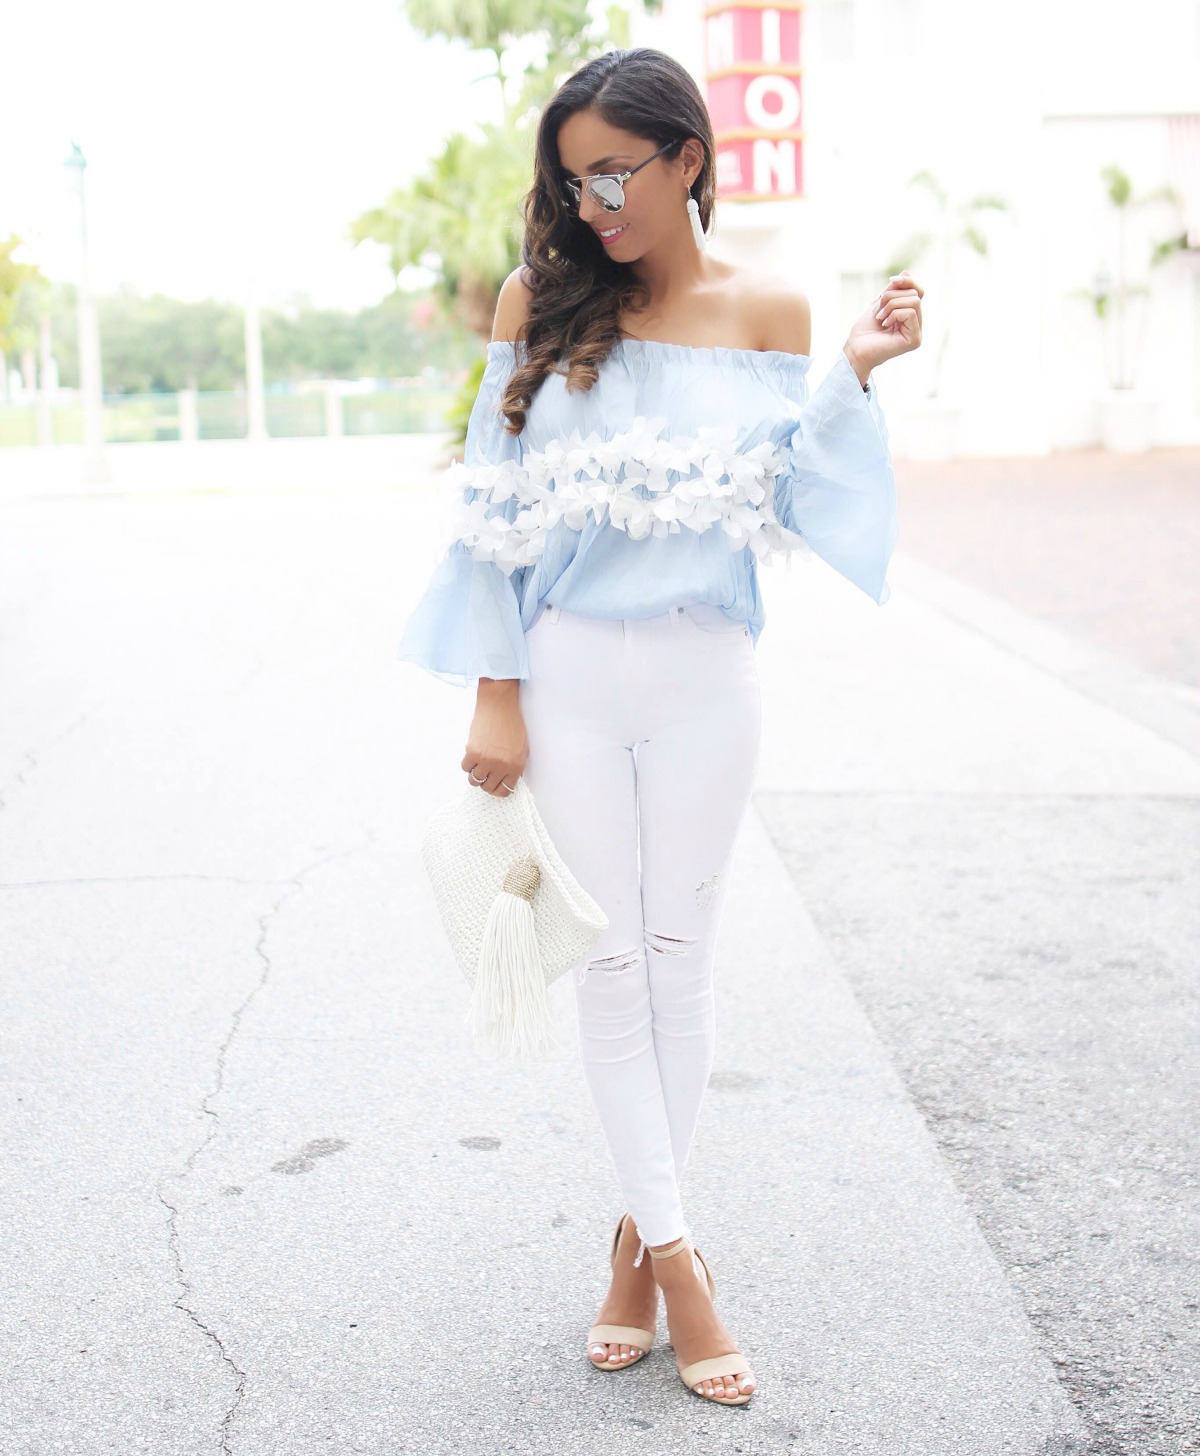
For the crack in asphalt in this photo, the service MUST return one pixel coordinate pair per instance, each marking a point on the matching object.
(294, 883)
(32, 756)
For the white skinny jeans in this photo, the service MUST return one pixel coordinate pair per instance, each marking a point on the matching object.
(644, 741)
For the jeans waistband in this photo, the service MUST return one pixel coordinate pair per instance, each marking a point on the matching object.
(671, 617)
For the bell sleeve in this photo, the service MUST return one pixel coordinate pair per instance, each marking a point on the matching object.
(836, 488)
(467, 623)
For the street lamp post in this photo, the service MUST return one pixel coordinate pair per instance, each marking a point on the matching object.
(95, 462)
(256, 405)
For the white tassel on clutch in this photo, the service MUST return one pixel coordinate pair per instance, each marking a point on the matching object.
(514, 914)
(510, 1009)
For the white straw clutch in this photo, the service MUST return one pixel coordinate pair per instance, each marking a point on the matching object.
(514, 914)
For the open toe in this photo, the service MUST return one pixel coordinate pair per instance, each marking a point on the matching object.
(700, 1375)
(615, 1347)
(618, 1338)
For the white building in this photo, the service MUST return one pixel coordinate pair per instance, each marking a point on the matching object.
(1026, 102)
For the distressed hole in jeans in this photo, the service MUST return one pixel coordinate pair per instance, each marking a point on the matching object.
(612, 965)
(669, 944)
(706, 889)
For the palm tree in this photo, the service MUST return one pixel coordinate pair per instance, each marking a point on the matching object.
(1109, 298)
(461, 218)
(958, 227)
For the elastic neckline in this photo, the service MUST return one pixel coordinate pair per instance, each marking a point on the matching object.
(717, 352)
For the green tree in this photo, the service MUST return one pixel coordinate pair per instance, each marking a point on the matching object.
(1109, 297)
(159, 343)
(461, 219)
(958, 226)
(24, 296)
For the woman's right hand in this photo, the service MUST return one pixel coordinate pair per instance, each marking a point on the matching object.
(497, 744)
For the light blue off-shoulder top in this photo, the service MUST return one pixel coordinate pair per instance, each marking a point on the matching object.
(666, 484)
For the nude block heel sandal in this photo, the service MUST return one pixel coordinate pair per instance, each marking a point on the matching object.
(729, 1364)
(619, 1334)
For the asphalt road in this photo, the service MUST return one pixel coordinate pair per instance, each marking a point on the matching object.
(259, 1195)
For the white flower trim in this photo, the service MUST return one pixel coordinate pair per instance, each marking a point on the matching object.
(626, 480)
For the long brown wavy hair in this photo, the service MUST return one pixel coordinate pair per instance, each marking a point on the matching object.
(578, 291)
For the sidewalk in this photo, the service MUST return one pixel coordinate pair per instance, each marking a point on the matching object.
(1105, 546)
(261, 1192)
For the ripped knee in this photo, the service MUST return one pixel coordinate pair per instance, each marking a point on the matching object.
(706, 889)
(669, 944)
(613, 965)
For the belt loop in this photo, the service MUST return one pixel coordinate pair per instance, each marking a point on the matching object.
(676, 615)
(552, 611)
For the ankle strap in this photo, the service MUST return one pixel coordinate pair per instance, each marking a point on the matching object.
(669, 1250)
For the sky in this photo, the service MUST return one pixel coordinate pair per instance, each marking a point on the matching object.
(228, 143)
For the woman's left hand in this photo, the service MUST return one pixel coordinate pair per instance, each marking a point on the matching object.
(891, 326)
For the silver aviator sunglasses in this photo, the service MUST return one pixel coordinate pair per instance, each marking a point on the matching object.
(606, 188)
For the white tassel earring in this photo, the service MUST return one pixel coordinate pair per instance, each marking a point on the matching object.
(693, 208)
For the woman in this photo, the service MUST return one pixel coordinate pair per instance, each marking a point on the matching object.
(642, 438)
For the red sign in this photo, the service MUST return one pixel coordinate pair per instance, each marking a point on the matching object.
(752, 78)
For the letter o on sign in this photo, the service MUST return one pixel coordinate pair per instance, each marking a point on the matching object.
(788, 95)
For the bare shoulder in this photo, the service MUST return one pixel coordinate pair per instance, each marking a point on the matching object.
(779, 311)
(512, 306)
